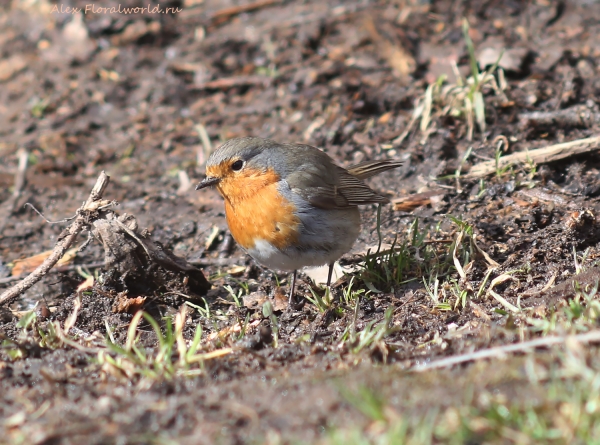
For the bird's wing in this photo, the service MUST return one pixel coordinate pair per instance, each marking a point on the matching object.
(328, 186)
(367, 169)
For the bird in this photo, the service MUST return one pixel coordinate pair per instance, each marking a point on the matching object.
(290, 206)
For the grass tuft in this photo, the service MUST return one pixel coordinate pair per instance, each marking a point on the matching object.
(463, 99)
(173, 356)
(423, 252)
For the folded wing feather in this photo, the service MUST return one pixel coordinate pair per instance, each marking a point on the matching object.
(330, 188)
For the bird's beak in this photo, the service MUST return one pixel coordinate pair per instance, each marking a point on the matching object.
(208, 182)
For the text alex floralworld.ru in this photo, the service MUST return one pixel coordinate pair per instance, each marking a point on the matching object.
(94, 9)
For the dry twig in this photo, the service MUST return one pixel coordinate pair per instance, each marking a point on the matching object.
(579, 116)
(66, 239)
(501, 351)
(128, 252)
(409, 203)
(226, 83)
(538, 156)
(224, 15)
(56, 270)
(11, 203)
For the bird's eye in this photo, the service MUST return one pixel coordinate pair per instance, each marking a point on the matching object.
(237, 165)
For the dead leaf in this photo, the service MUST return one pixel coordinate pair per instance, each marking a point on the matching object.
(124, 304)
(223, 333)
(280, 302)
(87, 284)
(236, 270)
(11, 66)
(27, 265)
(255, 299)
(409, 203)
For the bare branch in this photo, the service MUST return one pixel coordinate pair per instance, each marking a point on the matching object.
(538, 156)
(501, 351)
(66, 239)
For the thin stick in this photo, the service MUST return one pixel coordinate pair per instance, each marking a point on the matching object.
(57, 269)
(223, 15)
(21, 170)
(66, 238)
(379, 237)
(499, 351)
(577, 116)
(20, 176)
(226, 83)
(41, 215)
(202, 155)
(538, 156)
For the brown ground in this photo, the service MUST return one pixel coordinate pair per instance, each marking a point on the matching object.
(340, 75)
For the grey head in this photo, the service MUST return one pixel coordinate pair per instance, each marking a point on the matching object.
(255, 153)
(233, 156)
(244, 149)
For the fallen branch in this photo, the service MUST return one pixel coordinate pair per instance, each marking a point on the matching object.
(500, 351)
(66, 239)
(579, 116)
(130, 256)
(538, 156)
(226, 83)
(11, 203)
(58, 269)
(409, 203)
(226, 14)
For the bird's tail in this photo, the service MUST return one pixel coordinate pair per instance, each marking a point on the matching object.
(367, 169)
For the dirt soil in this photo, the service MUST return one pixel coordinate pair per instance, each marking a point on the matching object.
(140, 96)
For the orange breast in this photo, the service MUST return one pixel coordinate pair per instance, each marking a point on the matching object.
(255, 209)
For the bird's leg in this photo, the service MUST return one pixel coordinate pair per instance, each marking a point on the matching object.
(291, 301)
(329, 274)
(328, 289)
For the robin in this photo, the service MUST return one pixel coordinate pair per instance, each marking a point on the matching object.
(289, 205)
